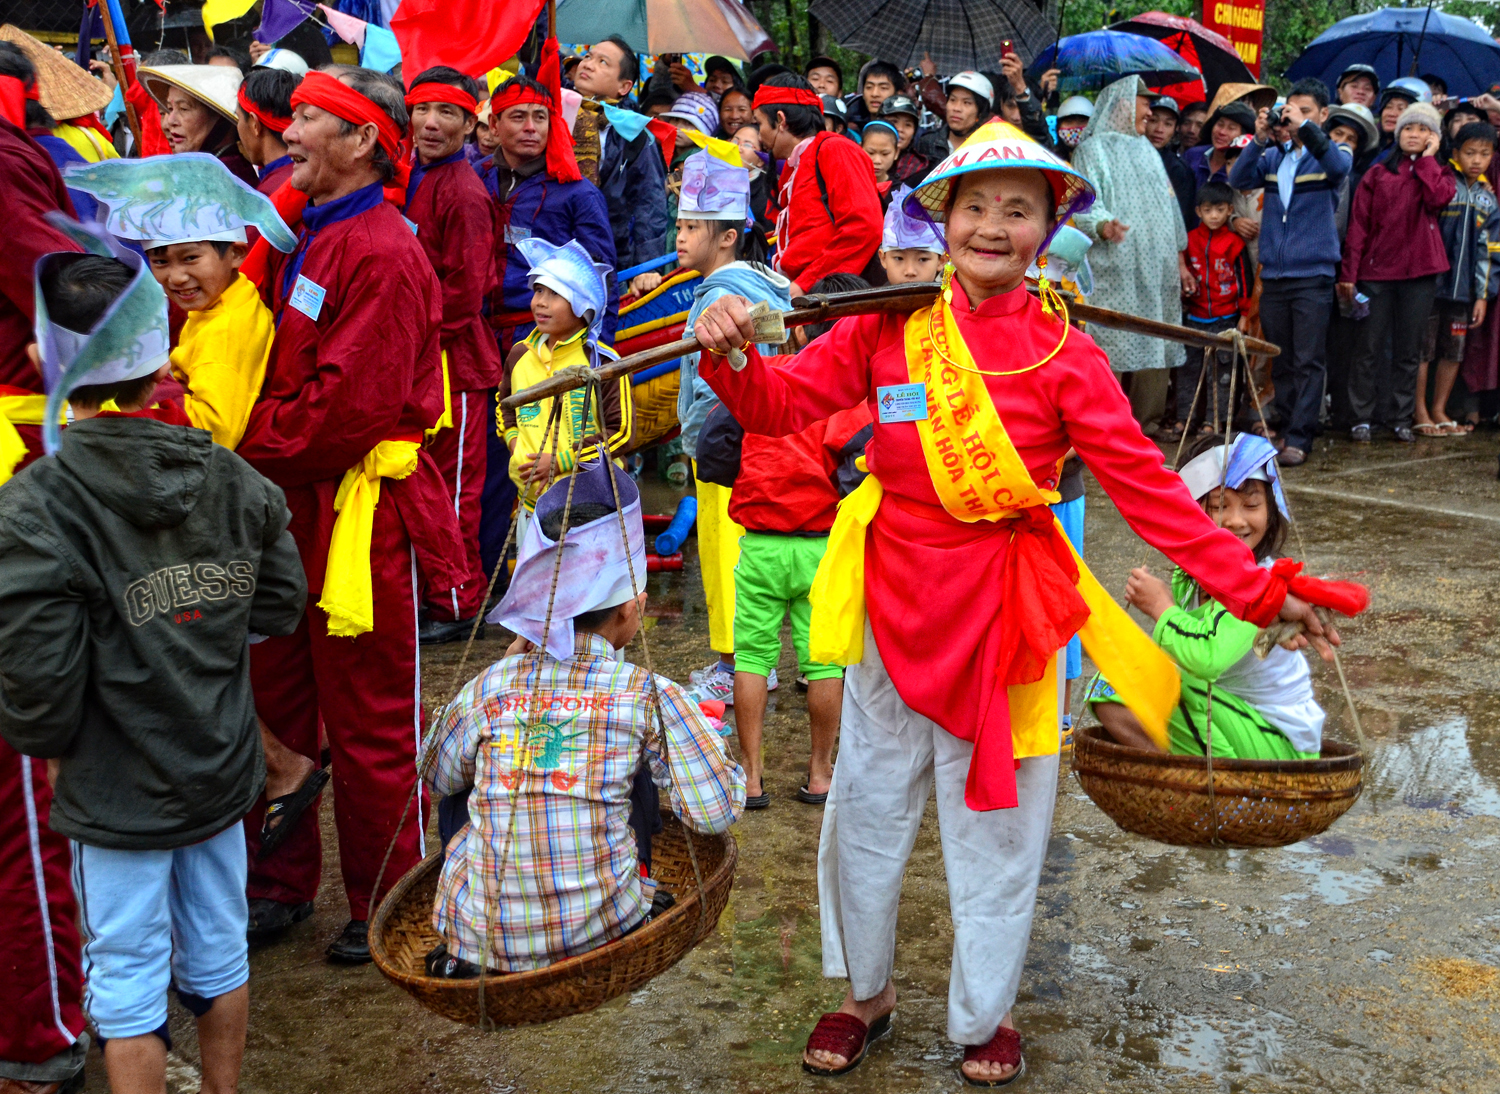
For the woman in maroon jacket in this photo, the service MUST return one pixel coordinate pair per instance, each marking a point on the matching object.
(1393, 254)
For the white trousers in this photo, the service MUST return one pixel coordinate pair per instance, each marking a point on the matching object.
(889, 757)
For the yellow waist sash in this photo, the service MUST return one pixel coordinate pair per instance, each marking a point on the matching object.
(348, 593)
(17, 410)
(978, 475)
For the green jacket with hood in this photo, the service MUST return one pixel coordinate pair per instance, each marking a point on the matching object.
(134, 567)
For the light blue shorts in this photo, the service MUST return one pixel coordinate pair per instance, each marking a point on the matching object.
(151, 917)
(1070, 516)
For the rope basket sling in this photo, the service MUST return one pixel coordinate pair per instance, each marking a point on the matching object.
(1200, 801)
(697, 869)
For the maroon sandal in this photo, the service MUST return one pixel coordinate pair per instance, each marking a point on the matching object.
(846, 1036)
(1004, 1048)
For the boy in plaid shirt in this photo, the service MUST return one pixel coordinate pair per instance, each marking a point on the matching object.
(556, 736)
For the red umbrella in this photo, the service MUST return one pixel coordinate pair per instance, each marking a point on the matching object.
(1209, 52)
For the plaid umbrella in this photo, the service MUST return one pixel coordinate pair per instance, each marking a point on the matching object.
(959, 34)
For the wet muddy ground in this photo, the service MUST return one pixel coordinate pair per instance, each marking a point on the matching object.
(1365, 959)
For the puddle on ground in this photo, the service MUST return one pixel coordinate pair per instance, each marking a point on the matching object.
(1222, 1045)
(1452, 766)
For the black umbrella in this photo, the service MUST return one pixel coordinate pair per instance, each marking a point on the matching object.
(958, 34)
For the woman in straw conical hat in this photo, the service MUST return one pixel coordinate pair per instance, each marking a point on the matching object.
(949, 592)
(198, 111)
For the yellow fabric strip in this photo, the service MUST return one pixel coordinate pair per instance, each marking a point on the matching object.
(348, 592)
(18, 410)
(86, 142)
(975, 469)
(446, 421)
(221, 359)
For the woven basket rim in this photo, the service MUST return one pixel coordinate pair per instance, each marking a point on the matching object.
(534, 979)
(1336, 757)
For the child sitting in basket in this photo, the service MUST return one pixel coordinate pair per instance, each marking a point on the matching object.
(1262, 709)
(547, 743)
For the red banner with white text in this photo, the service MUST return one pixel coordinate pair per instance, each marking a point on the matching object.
(1243, 23)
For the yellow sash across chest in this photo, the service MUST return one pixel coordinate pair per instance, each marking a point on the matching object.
(979, 476)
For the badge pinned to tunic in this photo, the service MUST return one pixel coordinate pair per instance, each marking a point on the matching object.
(514, 233)
(901, 403)
(307, 297)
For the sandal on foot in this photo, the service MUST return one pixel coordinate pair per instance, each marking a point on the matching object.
(757, 801)
(1452, 429)
(283, 813)
(1004, 1048)
(1428, 429)
(806, 795)
(846, 1036)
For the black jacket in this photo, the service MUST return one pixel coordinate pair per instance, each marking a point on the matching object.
(134, 566)
(1184, 185)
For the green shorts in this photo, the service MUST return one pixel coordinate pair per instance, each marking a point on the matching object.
(772, 580)
(1240, 732)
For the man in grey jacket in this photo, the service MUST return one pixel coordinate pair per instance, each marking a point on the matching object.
(135, 563)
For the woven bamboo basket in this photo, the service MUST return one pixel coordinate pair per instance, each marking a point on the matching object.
(401, 936)
(1261, 803)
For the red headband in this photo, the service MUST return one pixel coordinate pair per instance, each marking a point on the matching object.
(561, 163)
(270, 121)
(13, 96)
(342, 101)
(515, 93)
(766, 95)
(436, 92)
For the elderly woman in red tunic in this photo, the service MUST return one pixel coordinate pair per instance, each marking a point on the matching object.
(950, 553)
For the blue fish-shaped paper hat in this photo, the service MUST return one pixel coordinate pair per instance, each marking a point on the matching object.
(176, 199)
(571, 272)
(130, 339)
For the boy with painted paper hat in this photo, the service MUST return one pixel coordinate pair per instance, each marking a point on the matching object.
(569, 299)
(190, 215)
(717, 237)
(156, 553)
(911, 248)
(564, 734)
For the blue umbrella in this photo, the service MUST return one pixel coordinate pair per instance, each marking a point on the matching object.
(1457, 49)
(1100, 57)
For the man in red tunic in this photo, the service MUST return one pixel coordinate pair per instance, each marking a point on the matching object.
(354, 379)
(42, 1018)
(830, 218)
(455, 225)
(263, 113)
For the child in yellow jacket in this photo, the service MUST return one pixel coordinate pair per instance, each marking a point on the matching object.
(221, 354)
(192, 218)
(567, 303)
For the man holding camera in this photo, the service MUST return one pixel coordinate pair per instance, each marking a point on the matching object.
(1301, 170)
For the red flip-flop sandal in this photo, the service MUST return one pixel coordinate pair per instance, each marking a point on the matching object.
(846, 1036)
(1003, 1048)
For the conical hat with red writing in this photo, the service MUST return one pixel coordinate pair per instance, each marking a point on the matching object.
(999, 145)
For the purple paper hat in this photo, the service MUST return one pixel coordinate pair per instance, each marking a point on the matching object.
(713, 189)
(904, 232)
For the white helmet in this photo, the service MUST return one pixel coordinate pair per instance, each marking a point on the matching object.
(976, 83)
(1076, 107)
(285, 60)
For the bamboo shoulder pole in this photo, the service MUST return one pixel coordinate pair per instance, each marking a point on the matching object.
(902, 298)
